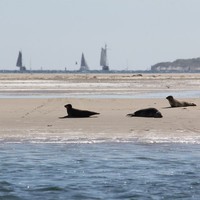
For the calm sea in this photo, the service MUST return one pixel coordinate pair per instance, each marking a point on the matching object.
(107, 170)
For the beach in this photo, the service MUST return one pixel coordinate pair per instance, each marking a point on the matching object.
(37, 119)
(106, 156)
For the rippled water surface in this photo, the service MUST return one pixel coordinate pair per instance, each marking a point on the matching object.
(108, 170)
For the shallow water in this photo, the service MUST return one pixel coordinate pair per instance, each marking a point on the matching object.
(107, 170)
(98, 89)
(110, 95)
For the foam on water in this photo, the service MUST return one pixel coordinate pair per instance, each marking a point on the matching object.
(150, 137)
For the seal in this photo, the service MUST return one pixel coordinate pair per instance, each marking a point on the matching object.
(76, 113)
(175, 103)
(147, 112)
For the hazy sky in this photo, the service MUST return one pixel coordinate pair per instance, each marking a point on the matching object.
(52, 34)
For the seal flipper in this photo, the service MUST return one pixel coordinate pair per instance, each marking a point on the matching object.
(130, 115)
(64, 117)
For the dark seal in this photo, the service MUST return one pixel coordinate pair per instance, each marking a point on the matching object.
(175, 103)
(148, 112)
(76, 113)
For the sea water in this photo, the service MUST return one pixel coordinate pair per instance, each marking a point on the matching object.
(107, 170)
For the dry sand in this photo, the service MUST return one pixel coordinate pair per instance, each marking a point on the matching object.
(40, 118)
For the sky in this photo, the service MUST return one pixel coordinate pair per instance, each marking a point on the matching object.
(52, 34)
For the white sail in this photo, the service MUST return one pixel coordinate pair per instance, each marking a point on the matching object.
(84, 65)
(104, 59)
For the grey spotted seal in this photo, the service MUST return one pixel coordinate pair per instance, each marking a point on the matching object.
(76, 113)
(147, 112)
(175, 103)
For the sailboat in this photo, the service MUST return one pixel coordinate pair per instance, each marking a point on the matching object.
(19, 62)
(84, 65)
(104, 59)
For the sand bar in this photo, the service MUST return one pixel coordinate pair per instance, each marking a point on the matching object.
(39, 118)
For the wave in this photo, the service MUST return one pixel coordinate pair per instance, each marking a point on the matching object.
(73, 138)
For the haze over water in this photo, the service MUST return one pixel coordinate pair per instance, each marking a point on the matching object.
(54, 34)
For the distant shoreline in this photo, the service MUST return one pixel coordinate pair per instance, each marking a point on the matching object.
(75, 71)
(94, 71)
